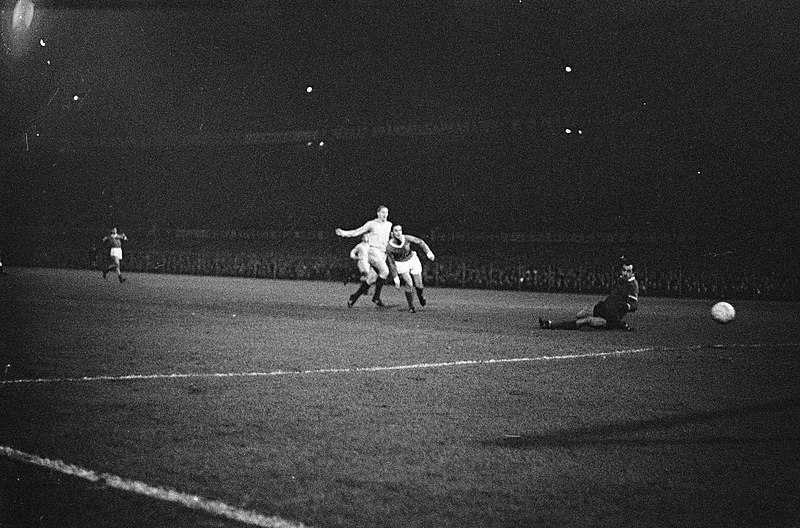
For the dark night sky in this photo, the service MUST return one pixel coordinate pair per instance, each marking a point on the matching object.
(681, 106)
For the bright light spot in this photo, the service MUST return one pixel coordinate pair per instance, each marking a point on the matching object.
(580, 131)
(568, 131)
(41, 42)
(309, 89)
(75, 98)
(321, 143)
(568, 69)
(48, 63)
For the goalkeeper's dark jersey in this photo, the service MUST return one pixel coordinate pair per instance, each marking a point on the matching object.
(624, 296)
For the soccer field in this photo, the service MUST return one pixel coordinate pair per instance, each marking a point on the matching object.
(184, 401)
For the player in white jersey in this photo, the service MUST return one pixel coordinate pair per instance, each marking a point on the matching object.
(360, 254)
(376, 234)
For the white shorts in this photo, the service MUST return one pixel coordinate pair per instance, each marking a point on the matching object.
(116, 253)
(412, 265)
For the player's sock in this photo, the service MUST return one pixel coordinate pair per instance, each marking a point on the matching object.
(564, 325)
(376, 297)
(422, 301)
(410, 300)
(362, 289)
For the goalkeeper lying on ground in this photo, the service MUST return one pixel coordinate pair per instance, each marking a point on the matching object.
(609, 312)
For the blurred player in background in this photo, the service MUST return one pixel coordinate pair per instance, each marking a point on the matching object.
(376, 235)
(608, 313)
(404, 264)
(360, 254)
(114, 242)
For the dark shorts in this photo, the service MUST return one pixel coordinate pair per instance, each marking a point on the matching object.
(608, 313)
(599, 310)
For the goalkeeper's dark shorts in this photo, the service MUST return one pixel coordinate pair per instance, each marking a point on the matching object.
(609, 313)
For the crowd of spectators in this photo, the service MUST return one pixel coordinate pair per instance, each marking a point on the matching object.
(542, 268)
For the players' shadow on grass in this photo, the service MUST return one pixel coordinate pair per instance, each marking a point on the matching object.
(661, 431)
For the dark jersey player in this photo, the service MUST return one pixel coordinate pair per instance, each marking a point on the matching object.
(405, 264)
(608, 313)
(114, 242)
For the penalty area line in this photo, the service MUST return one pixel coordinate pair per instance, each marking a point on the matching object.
(165, 494)
(385, 368)
(344, 370)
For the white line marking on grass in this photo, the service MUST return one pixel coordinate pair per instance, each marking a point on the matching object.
(190, 501)
(460, 363)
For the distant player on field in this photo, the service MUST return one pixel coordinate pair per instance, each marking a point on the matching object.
(608, 313)
(404, 263)
(376, 234)
(114, 242)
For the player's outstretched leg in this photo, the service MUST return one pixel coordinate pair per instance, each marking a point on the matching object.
(362, 289)
(558, 325)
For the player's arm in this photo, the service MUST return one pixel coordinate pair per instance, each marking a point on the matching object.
(390, 262)
(353, 232)
(392, 267)
(421, 243)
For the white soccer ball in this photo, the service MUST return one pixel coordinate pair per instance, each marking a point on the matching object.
(723, 312)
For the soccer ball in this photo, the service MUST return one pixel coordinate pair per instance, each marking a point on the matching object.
(723, 312)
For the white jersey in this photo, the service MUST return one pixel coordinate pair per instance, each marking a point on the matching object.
(376, 233)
